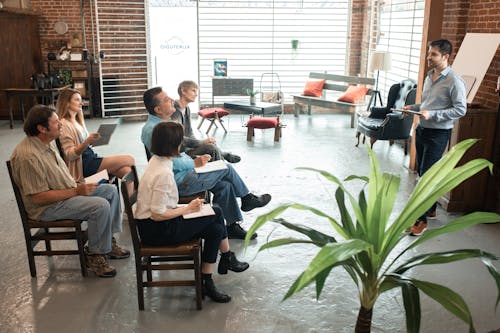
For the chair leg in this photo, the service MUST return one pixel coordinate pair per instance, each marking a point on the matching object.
(358, 134)
(250, 133)
(212, 122)
(48, 246)
(149, 273)
(405, 145)
(220, 122)
(372, 141)
(277, 133)
(81, 253)
(201, 122)
(197, 278)
(140, 288)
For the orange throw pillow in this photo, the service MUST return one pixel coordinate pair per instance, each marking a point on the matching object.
(314, 87)
(353, 94)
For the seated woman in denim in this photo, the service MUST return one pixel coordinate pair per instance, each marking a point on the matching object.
(161, 222)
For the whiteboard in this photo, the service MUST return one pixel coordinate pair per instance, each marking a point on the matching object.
(473, 59)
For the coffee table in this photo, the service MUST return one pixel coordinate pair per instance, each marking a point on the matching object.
(261, 108)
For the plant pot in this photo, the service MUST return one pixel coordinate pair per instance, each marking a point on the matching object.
(252, 100)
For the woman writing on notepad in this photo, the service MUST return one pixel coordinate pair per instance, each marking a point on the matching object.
(161, 221)
(76, 141)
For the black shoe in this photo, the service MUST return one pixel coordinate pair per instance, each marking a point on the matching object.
(211, 291)
(235, 231)
(231, 158)
(228, 261)
(251, 201)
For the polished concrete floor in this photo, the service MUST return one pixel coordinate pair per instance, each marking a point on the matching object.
(60, 300)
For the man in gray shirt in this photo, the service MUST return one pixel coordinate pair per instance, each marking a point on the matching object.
(443, 102)
(188, 91)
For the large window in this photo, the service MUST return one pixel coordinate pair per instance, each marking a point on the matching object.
(287, 37)
(397, 28)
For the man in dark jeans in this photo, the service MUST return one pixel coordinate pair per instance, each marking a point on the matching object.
(443, 102)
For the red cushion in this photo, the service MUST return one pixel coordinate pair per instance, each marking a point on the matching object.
(210, 112)
(353, 94)
(262, 122)
(314, 87)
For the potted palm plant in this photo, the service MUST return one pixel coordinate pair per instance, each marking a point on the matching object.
(253, 94)
(368, 249)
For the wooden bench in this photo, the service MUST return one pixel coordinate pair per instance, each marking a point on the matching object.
(335, 83)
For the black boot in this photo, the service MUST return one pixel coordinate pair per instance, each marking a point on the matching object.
(211, 291)
(228, 261)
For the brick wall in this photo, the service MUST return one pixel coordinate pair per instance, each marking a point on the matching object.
(67, 11)
(479, 16)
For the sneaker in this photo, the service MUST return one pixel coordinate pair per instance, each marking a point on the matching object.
(97, 263)
(236, 231)
(432, 215)
(251, 201)
(117, 252)
(231, 158)
(418, 228)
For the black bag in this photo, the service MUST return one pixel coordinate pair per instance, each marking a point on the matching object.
(40, 81)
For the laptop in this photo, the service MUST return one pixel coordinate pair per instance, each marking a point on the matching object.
(105, 130)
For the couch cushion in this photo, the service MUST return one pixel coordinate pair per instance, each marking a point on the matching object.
(353, 94)
(314, 87)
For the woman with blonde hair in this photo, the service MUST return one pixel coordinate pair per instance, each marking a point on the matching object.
(76, 141)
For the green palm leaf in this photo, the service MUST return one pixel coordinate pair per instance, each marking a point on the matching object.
(329, 255)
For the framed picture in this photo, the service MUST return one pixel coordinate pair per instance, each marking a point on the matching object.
(220, 67)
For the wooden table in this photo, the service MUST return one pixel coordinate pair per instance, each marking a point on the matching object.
(50, 94)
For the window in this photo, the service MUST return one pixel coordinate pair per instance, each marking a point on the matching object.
(290, 38)
(397, 28)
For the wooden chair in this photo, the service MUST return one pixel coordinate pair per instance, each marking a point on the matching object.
(44, 231)
(158, 258)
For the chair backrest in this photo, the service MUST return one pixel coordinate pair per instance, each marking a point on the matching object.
(148, 153)
(19, 199)
(130, 185)
(405, 87)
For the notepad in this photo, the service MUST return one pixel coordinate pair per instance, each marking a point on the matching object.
(206, 210)
(98, 178)
(105, 131)
(211, 166)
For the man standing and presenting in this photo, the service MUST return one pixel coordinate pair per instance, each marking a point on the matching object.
(188, 91)
(50, 193)
(443, 102)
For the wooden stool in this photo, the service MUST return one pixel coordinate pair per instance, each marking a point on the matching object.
(212, 114)
(263, 123)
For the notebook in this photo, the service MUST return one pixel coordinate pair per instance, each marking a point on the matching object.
(105, 131)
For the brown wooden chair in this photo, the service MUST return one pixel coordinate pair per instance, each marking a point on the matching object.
(158, 258)
(48, 231)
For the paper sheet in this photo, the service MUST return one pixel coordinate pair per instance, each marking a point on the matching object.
(206, 210)
(97, 177)
(211, 166)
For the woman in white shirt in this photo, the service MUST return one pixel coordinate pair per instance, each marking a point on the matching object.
(161, 222)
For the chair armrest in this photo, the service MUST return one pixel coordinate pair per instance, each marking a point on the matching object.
(379, 112)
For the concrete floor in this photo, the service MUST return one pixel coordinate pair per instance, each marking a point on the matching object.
(60, 300)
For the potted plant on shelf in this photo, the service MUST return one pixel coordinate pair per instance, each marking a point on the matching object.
(253, 94)
(369, 250)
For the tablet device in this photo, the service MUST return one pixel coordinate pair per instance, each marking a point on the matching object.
(105, 131)
(418, 113)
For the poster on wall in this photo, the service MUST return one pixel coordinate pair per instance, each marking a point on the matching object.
(174, 51)
(220, 67)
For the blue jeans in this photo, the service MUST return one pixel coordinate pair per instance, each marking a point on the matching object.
(101, 210)
(226, 185)
(430, 144)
